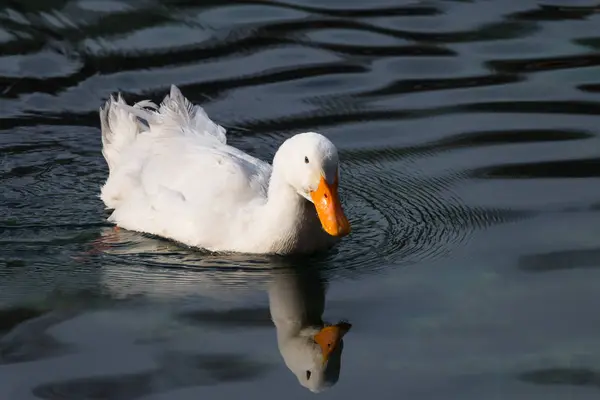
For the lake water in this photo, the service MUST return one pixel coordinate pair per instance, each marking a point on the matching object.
(469, 138)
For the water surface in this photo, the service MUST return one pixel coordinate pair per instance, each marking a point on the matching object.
(468, 133)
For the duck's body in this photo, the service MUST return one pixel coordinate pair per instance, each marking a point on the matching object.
(177, 178)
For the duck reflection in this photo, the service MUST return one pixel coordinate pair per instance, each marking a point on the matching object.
(311, 348)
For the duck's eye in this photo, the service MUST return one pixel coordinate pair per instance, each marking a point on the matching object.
(307, 375)
(306, 160)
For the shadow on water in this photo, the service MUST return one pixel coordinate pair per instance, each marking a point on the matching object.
(174, 371)
(26, 339)
(560, 260)
(563, 376)
(24, 330)
(584, 168)
(9, 318)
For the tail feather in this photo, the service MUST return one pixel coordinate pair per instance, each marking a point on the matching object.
(121, 123)
(119, 127)
(179, 114)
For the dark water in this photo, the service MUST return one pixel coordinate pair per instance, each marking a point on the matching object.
(469, 136)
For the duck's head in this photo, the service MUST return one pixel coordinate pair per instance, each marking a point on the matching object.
(309, 163)
(316, 358)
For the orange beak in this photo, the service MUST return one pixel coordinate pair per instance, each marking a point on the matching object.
(330, 337)
(329, 208)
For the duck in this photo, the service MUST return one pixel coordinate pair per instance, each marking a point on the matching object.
(311, 348)
(172, 174)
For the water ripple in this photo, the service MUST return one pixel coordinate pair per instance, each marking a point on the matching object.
(266, 69)
(464, 127)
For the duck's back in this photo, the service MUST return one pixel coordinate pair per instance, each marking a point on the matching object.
(177, 177)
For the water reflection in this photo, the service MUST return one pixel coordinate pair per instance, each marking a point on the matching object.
(453, 117)
(311, 348)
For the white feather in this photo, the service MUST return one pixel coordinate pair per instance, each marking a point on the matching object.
(176, 177)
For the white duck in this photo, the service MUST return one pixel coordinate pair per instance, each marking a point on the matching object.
(177, 178)
(311, 349)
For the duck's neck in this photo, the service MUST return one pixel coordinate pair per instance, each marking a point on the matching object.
(283, 215)
(296, 304)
